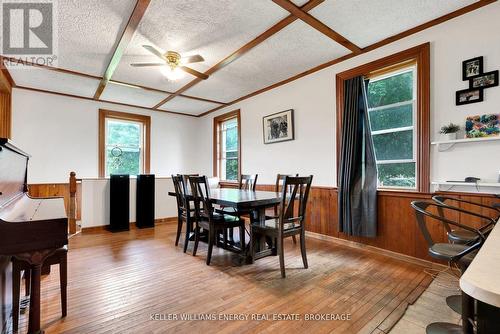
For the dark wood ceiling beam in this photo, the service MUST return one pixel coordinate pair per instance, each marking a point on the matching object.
(317, 24)
(126, 37)
(244, 49)
(406, 33)
(90, 76)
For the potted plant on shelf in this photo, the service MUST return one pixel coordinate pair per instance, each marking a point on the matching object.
(449, 131)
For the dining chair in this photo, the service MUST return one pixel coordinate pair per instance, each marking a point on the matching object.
(290, 222)
(185, 215)
(248, 181)
(208, 219)
(460, 254)
(280, 178)
(462, 236)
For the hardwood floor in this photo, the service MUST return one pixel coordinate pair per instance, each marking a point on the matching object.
(118, 282)
(430, 307)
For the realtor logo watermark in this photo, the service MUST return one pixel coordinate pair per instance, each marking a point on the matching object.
(29, 32)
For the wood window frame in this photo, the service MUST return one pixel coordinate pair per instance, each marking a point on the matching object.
(421, 55)
(217, 120)
(145, 120)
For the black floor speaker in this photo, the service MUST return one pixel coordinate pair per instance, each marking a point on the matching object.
(145, 201)
(119, 210)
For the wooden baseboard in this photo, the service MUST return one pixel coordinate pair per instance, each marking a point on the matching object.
(94, 229)
(385, 252)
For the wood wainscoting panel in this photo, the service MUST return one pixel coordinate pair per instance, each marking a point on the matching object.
(397, 227)
(57, 190)
(5, 114)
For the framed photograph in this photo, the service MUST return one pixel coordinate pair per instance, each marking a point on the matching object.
(482, 126)
(467, 96)
(485, 80)
(472, 68)
(278, 127)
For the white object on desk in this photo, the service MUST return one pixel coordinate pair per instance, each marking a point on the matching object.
(481, 280)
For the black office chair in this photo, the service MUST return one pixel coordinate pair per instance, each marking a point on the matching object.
(461, 236)
(460, 254)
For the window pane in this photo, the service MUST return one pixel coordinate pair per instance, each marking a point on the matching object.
(397, 88)
(232, 169)
(397, 175)
(390, 118)
(232, 138)
(122, 160)
(229, 147)
(232, 154)
(123, 133)
(394, 145)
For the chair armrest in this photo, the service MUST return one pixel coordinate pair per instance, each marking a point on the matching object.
(450, 222)
(491, 221)
(441, 199)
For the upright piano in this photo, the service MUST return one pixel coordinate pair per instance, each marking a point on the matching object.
(31, 229)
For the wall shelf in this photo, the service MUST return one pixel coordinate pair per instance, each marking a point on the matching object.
(450, 143)
(479, 187)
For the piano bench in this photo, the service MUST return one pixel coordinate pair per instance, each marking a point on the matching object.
(60, 258)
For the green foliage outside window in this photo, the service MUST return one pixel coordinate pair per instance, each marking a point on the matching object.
(123, 155)
(393, 145)
(391, 90)
(231, 134)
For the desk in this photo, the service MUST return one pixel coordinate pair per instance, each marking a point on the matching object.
(481, 280)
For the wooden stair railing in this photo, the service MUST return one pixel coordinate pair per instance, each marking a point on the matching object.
(72, 203)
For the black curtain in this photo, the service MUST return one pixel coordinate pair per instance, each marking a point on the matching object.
(357, 187)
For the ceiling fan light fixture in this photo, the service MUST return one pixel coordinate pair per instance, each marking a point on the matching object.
(172, 74)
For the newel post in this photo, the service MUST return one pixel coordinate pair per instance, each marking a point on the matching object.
(72, 203)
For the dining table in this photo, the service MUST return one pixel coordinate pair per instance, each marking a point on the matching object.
(253, 203)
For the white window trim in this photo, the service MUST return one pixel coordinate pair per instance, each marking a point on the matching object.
(141, 142)
(411, 68)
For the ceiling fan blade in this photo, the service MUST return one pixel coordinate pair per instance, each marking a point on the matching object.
(154, 51)
(192, 59)
(194, 72)
(147, 64)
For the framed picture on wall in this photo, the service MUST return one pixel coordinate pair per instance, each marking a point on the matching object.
(278, 127)
(472, 67)
(485, 80)
(467, 96)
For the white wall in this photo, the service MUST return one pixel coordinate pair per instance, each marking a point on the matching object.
(61, 134)
(95, 201)
(313, 99)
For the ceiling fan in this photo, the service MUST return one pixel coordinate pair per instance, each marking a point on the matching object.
(175, 63)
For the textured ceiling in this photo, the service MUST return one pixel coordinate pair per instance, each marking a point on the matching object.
(88, 32)
(293, 50)
(39, 78)
(211, 28)
(366, 22)
(131, 95)
(188, 106)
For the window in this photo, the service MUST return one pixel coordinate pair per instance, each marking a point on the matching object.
(391, 109)
(227, 157)
(123, 143)
(398, 95)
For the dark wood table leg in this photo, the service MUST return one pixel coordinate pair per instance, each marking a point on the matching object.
(467, 313)
(34, 316)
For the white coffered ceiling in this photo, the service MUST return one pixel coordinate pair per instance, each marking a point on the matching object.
(89, 31)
